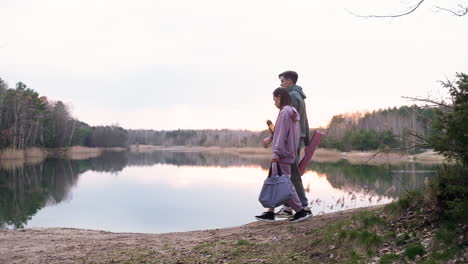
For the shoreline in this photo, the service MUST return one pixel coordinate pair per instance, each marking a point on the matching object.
(320, 155)
(70, 245)
(13, 158)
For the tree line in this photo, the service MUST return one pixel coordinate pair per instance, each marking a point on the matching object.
(30, 120)
(386, 128)
(205, 138)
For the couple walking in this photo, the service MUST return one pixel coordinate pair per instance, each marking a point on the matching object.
(290, 135)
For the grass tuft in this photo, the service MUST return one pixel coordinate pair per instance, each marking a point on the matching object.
(388, 259)
(355, 258)
(203, 247)
(413, 250)
(245, 243)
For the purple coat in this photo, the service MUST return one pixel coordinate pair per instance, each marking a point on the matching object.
(286, 136)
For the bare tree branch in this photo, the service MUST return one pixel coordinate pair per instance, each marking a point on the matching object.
(463, 10)
(383, 16)
(390, 150)
(427, 101)
(423, 142)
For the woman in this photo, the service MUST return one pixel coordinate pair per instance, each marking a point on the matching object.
(284, 148)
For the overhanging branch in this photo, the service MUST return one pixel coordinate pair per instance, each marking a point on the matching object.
(397, 15)
(461, 12)
(427, 101)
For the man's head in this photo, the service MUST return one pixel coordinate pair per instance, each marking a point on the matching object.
(288, 78)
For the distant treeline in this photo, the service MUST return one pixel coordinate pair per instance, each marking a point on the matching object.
(382, 129)
(30, 120)
(206, 138)
(388, 128)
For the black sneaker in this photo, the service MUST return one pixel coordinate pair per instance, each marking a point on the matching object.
(299, 216)
(284, 213)
(266, 216)
(309, 212)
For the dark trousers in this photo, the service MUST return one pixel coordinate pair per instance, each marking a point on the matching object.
(296, 178)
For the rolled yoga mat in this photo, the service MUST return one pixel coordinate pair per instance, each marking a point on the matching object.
(310, 149)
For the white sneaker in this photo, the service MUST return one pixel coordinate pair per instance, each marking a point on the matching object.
(284, 212)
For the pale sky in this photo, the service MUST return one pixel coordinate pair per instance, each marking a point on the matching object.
(214, 64)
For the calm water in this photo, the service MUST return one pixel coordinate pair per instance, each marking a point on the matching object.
(180, 191)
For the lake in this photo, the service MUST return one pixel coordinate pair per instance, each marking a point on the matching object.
(174, 191)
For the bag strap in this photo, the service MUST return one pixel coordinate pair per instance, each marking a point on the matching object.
(278, 169)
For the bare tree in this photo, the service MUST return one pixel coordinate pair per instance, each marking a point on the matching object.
(460, 11)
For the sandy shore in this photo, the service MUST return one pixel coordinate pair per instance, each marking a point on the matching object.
(13, 159)
(320, 155)
(65, 245)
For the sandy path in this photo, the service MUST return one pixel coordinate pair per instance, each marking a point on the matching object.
(67, 245)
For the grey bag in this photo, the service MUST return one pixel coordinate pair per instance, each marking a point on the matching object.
(276, 189)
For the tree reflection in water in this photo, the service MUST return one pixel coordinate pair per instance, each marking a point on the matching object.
(26, 190)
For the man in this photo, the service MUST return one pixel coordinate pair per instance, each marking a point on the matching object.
(288, 81)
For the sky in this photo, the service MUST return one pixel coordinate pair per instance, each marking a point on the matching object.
(213, 64)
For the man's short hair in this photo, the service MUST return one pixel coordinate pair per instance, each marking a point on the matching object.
(291, 75)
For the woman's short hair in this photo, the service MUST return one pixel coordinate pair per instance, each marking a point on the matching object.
(285, 98)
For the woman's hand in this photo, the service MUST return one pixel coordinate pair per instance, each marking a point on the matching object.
(266, 142)
(274, 160)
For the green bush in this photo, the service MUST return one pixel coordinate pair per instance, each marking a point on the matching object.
(450, 189)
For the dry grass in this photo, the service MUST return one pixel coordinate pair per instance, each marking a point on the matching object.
(81, 150)
(429, 157)
(143, 148)
(327, 155)
(10, 164)
(392, 158)
(35, 155)
(356, 157)
(12, 154)
(31, 153)
(116, 149)
(320, 155)
(82, 153)
(15, 158)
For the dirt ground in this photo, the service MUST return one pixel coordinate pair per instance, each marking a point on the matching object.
(66, 245)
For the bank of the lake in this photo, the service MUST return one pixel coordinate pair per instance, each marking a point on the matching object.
(359, 235)
(12, 158)
(365, 235)
(249, 243)
(320, 155)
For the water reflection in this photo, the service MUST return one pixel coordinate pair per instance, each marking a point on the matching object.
(25, 190)
(149, 192)
(390, 180)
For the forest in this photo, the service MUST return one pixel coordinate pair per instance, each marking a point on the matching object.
(28, 119)
(381, 129)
